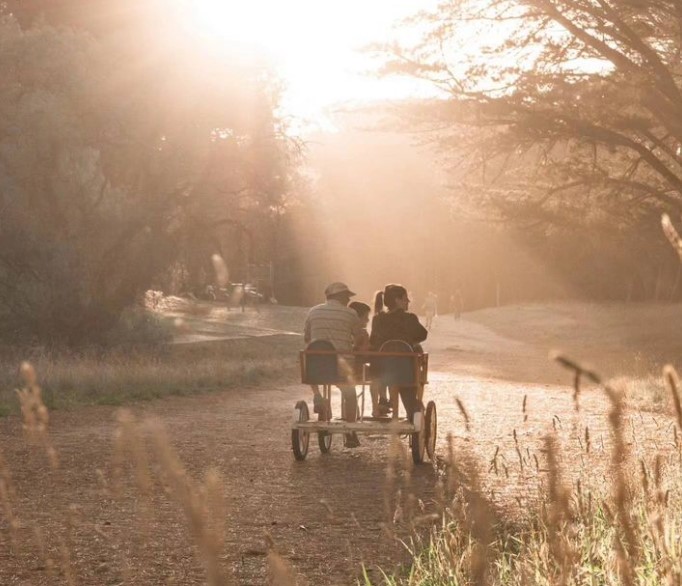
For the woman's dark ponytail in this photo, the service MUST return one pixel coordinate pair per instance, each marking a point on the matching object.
(379, 302)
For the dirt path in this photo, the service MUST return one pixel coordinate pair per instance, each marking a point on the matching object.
(304, 506)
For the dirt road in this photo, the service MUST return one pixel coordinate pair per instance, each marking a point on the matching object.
(326, 514)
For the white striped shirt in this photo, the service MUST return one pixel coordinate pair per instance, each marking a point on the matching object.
(335, 322)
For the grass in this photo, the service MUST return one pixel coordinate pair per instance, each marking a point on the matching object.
(118, 377)
(525, 554)
(644, 393)
(623, 529)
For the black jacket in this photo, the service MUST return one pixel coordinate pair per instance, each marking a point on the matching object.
(396, 325)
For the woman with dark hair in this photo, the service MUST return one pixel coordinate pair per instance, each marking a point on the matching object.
(396, 323)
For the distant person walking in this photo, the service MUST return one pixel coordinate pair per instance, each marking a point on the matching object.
(430, 308)
(457, 303)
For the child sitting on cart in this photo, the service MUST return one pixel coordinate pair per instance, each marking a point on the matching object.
(363, 310)
(397, 324)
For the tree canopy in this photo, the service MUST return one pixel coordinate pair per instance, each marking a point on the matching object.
(121, 156)
(555, 113)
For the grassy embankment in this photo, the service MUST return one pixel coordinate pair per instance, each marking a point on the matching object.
(205, 362)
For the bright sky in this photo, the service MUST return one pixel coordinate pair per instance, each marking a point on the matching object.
(314, 44)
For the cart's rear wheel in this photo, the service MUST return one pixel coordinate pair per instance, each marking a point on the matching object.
(431, 430)
(324, 438)
(300, 439)
(418, 438)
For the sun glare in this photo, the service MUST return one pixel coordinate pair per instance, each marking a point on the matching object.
(314, 45)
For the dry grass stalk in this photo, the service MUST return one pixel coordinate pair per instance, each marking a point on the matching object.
(673, 383)
(576, 368)
(493, 462)
(671, 234)
(8, 511)
(464, 413)
(645, 477)
(34, 412)
(627, 548)
(48, 563)
(559, 518)
(588, 445)
(222, 274)
(66, 564)
(523, 408)
(279, 571)
(658, 471)
(518, 453)
(576, 390)
(628, 556)
(472, 512)
(203, 505)
(7, 495)
(390, 486)
(129, 446)
(400, 502)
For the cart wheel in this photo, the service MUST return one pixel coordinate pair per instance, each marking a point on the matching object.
(431, 430)
(324, 438)
(300, 438)
(418, 438)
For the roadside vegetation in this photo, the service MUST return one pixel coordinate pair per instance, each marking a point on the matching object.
(119, 377)
(582, 528)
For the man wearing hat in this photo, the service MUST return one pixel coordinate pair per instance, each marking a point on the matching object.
(336, 322)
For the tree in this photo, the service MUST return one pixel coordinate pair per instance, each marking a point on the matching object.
(112, 150)
(556, 112)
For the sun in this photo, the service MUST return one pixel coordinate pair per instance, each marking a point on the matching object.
(314, 45)
(262, 24)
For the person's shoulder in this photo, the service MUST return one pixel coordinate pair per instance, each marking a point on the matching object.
(379, 317)
(333, 307)
(340, 309)
(315, 308)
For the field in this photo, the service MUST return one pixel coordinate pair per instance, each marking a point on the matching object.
(535, 483)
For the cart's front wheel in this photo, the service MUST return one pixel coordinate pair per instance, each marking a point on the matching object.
(418, 438)
(299, 437)
(431, 430)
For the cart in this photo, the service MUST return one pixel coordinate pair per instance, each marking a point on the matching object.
(394, 365)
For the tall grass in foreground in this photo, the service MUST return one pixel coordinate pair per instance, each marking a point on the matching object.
(622, 529)
(143, 451)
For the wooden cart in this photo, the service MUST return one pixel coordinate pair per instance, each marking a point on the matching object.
(395, 365)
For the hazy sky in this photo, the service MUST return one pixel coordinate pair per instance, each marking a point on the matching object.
(313, 43)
